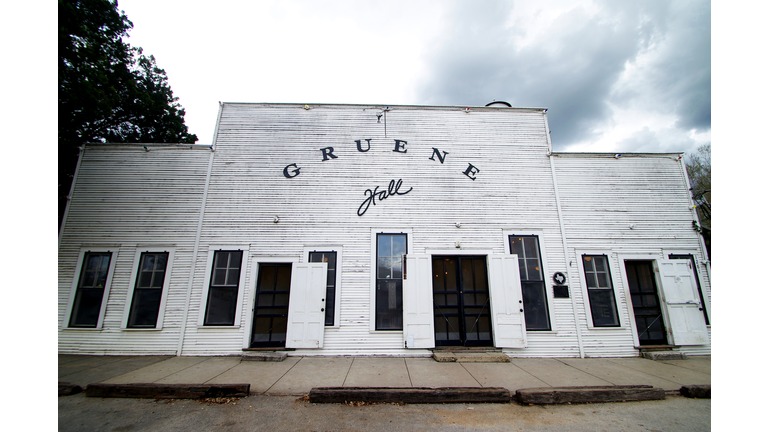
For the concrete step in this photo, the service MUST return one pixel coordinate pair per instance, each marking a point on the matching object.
(664, 355)
(274, 356)
(470, 357)
(590, 394)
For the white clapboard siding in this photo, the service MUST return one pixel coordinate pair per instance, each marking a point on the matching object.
(127, 198)
(132, 199)
(601, 196)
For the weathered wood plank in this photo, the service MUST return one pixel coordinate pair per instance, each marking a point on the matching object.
(167, 391)
(591, 394)
(410, 394)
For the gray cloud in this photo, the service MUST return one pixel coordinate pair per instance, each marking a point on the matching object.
(578, 68)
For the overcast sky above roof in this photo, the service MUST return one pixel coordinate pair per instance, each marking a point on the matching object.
(615, 75)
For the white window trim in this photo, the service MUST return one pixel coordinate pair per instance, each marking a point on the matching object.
(107, 285)
(250, 295)
(585, 292)
(135, 274)
(339, 254)
(207, 285)
(545, 272)
(409, 250)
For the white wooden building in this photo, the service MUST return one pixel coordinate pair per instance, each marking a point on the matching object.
(375, 230)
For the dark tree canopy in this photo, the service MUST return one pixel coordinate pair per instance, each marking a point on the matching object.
(699, 167)
(109, 91)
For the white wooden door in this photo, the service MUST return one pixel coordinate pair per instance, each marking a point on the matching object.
(418, 312)
(682, 303)
(507, 312)
(306, 306)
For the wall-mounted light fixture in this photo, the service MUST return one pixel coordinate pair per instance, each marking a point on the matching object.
(458, 224)
(276, 219)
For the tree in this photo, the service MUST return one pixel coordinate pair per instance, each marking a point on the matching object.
(699, 167)
(109, 92)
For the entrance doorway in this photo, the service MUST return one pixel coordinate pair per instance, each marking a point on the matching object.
(645, 303)
(270, 312)
(461, 300)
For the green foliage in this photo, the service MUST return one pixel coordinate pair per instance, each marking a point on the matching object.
(108, 91)
(699, 167)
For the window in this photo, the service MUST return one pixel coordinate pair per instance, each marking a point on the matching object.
(390, 249)
(330, 285)
(223, 288)
(148, 290)
(91, 287)
(526, 247)
(600, 288)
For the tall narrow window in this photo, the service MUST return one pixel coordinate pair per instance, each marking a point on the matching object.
(90, 289)
(222, 293)
(148, 290)
(390, 249)
(531, 280)
(330, 284)
(600, 288)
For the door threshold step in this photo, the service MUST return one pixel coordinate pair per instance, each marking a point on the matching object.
(274, 356)
(470, 357)
(646, 348)
(664, 355)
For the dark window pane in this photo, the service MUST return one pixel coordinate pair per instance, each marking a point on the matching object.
(157, 282)
(233, 277)
(389, 306)
(603, 308)
(222, 303)
(145, 279)
(591, 280)
(531, 248)
(283, 282)
(535, 306)
(145, 308)
(516, 246)
(534, 269)
(90, 289)
(87, 307)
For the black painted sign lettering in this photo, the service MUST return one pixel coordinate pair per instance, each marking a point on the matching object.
(392, 189)
(328, 151)
(359, 145)
(471, 171)
(400, 146)
(293, 173)
(436, 152)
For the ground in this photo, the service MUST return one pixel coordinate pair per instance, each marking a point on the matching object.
(291, 413)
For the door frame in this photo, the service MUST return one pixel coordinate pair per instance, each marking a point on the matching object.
(460, 300)
(654, 259)
(250, 294)
(659, 298)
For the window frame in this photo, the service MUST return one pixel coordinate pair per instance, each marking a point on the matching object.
(373, 270)
(171, 250)
(614, 278)
(544, 269)
(337, 289)
(240, 286)
(114, 251)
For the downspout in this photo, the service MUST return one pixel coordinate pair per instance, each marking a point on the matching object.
(196, 249)
(562, 234)
(71, 190)
(702, 245)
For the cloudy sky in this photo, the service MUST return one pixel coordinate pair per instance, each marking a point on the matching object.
(615, 75)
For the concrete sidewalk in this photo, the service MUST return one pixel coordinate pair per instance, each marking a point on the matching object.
(298, 375)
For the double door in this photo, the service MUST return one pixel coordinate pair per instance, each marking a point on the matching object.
(461, 301)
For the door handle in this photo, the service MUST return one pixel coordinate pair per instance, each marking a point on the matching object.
(322, 309)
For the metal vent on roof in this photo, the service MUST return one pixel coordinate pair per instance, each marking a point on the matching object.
(498, 104)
